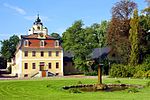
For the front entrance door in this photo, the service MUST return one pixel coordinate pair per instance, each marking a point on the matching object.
(43, 73)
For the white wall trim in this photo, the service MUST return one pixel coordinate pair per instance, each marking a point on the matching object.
(20, 63)
(40, 59)
(62, 64)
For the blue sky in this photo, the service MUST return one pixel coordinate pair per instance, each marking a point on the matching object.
(17, 16)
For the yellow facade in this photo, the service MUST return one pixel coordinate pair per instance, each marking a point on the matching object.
(53, 59)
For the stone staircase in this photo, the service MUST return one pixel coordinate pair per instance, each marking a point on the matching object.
(34, 74)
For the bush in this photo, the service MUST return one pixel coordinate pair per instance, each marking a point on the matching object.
(148, 84)
(147, 74)
(142, 71)
(133, 90)
(118, 70)
(93, 73)
(139, 74)
(139, 71)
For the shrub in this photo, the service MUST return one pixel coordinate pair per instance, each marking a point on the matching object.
(130, 70)
(133, 90)
(148, 84)
(93, 73)
(147, 74)
(142, 71)
(139, 74)
(118, 70)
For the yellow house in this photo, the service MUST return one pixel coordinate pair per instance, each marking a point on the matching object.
(38, 54)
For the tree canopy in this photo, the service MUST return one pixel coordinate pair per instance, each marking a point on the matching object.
(9, 47)
(80, 41)
(118, 31)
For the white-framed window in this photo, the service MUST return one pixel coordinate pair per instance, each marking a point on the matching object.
(42, 53)
(26, 43)
(49, 53)
(57, 65)
(33, 53)
(57, 53)
(26, 53)
(56, 43)
(42, 43)
(33, 65)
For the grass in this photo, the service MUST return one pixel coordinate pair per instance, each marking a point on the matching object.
(51, 89)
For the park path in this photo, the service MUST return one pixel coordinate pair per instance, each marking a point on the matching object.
(7, 77)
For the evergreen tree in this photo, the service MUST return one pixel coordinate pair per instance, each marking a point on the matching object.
(134, 40)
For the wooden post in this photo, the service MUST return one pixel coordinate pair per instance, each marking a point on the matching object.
(99, 74)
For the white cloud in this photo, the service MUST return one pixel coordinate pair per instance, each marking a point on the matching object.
(17, 9)
(43, 18)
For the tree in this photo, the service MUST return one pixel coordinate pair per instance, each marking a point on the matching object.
(80, 41)
(134, 39)
(118, 31)
(3, 63)
(56, 35)
(100, 32)
(9, 47)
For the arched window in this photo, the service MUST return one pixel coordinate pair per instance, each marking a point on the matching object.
(26, 43)
(42, 43)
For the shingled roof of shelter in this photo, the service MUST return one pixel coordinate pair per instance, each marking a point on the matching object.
(96, 53)
(99, 52)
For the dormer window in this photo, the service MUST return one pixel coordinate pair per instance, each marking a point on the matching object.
(26, 43)
(42, 43)
(57, 43)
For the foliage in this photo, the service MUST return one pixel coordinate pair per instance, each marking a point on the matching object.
(56, 35)
(118, 31)
(81, 42)
(3, 63)
(148, 84)
(100, 33)
(74, 90)
(142, 71)
(133, 90)
(144, 36)
(9, 47)
(147, 74)
(139, 74)
(118, 70)
(93, 73)
(117, 81)
(134, 40)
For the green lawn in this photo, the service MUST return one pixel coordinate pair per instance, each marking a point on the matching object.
(37, 89)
